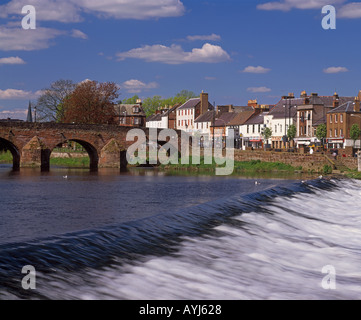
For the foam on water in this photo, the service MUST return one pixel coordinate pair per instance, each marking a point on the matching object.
(270, 245)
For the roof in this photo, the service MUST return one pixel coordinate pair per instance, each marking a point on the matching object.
(224, 119)
(279, 112)
(154, 117)
(127, 109)
(175, 107)
(257, 118)
(241, 118)
(191, 103)
(209, 116)
(347, 107)
(239, 109)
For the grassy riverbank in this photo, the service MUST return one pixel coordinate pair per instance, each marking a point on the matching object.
(6, 157)
(82, 162)
(239, 167)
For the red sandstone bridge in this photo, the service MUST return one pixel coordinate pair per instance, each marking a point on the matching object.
(31, 144)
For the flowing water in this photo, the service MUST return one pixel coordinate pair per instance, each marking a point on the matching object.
(145, 235)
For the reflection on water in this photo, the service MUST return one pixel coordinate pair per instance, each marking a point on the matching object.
(40, 204)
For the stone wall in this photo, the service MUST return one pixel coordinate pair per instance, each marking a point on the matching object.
(306, 161)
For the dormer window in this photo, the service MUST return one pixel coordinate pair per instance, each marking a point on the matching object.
(136, 110)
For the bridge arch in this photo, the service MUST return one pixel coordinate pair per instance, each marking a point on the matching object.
(7, 145)
(89, 148)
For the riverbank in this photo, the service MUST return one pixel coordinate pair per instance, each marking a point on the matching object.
(253, 167)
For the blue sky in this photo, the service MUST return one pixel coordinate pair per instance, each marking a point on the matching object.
(234, 50)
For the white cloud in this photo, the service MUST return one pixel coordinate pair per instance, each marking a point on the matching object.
(210, 78)
(26, 40)
(14, 114)
(75, 33)
(331, 70)
(259, 89)
(14, 94)
(350, 11)
(176, 55)
(212, 37)
(257, 70)
(71, 10)
(136, 86)
(287, 5)
(12, 60)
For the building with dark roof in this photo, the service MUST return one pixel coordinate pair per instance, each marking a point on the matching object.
(130, 115)
(339, 123)
(189, 112)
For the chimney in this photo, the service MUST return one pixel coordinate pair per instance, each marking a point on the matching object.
(204, 102)
(291, 95)
(356, 107)
(336, 100)
(304, 94)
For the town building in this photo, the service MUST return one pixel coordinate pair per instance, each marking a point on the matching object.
(312, 113)
(191, 110)
(252, 131)
(130, 115)
(339, 123)
(165, 118)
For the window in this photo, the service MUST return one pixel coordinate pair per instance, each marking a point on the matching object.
(336, 118)
(136, 110)
(281, 128)
(253, 129)
(341, 132)
(336, 133)
(136, 121)
(330, 133)
(330, 118)
(301, 131)
(275, 128)
(247, 129)
(341, 118)
(179, 123)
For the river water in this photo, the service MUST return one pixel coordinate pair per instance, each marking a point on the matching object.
(148, 235)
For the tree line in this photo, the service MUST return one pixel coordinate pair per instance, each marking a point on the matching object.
(92, 102)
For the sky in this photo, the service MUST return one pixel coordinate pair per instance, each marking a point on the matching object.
(234, 50)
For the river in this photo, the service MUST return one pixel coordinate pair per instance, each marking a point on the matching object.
(150, 235)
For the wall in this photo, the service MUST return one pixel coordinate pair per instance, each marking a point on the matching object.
(308, 162)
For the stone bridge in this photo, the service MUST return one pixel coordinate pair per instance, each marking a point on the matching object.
(31, 144)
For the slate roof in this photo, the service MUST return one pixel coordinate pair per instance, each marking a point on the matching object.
(224, 119)
(347, 107)
(209, 116)
(120, 109)
(241, 118)
(191, 103)
(257, 118)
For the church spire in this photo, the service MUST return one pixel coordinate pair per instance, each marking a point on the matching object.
(30, 114)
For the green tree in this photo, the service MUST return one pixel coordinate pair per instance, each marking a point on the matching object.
(355, 133)
(321, 132)
(292, 132)
(132, 100)
(267, 134)
(151, 105)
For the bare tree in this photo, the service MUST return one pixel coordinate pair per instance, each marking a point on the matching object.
(50, 105)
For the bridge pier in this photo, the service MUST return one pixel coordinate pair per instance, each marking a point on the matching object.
(35, 155)
(113, 156)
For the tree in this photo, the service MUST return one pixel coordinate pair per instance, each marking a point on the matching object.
(50, 105)
(292, 132)
(91, 103)
(132, 100)
(321, 132)
(355, 133)
(267, 134)
(151, 105)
